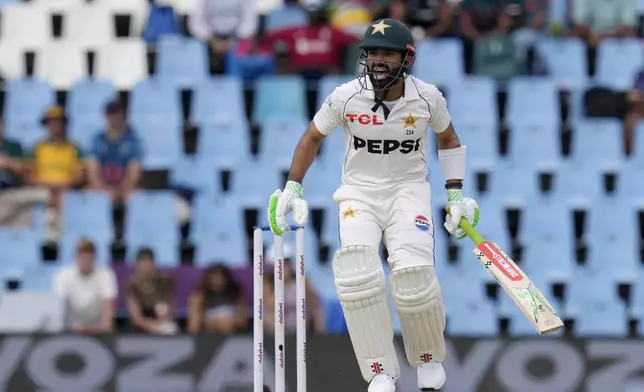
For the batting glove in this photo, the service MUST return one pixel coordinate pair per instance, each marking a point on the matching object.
(460, 207)
(283, 202)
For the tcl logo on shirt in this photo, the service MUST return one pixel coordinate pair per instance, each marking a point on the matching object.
(364, 119)
(386, 146)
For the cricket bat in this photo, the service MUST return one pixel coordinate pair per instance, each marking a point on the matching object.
(515, 282)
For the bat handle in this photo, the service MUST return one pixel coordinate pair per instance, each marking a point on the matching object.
(471, 232)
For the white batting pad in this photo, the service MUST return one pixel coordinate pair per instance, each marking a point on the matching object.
(361, 285)
(417, 296)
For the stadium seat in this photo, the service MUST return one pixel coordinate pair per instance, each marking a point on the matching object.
(618, 74)
(226, 144)
(137, 10)
(542, 107)
(69, 240)
(321, 181)
(12, 61)
(565, 60)
(612, 228)
(597, 143)
(331, 224)
(57, 6)
(20, 250)
(629, 181)
(535, 146)
(328, 84)
(61, 65)
(462, 306)
(512, 184)
(39, 278)
(285, 17)
(448, 70)
(637, 300)
(279, 98)
(155, 101)
(484, 137)
(332, 149)
(181, 62)
(26, 101)
(218, 232)
(597, 312)
(278, 140)
(637, 154)
(88, 212)
(546, 233)
(162, 143)
(219, 99)
(254, 183)
(472, 101)
(87, 99)
(151, 222)
(578, 182)
(123, 74)
(198, 174)
(90, 26)
(26, 26)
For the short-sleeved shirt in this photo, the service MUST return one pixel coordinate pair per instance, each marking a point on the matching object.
(114, 156)
(379, 152)
(84, 294)
(603, 16)
(148, 293)
(12, 149)
(56, 162)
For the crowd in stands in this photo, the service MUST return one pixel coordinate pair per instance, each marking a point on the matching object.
(104, 147)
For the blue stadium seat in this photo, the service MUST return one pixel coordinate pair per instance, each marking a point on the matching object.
(219, 99)
(197, 174)
(278, 140)
(254, 183)
(321, 181)
(89, 213)
(328, 84)
(332, 149)
(280, 98)
(462, 306)
(449, 69)
(20, 250)
(580, 182)
(87, 100)
(334, 320)
(226, 144)
(597, 143)
(532, 101)
(152, 100)
(613, 236)
(547, 245)
(637, 154)
(484, 137)
(162, 143)
(26, 101)
(629, 182)
(151, 221)
(618, 74)
(182, 62)
(512, 184)
(565, 59)
(597, 312)
(535, 146)
(472, 100)
(69, 240)
(285, 17)
(83, 130)
(637, 300)
(331, 225)
(40, 278)
(218, 231)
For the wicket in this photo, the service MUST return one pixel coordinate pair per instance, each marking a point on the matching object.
(258, 305)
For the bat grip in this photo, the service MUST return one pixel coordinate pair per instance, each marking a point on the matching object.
(471, 232)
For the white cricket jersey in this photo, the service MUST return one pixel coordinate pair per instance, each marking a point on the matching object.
(381, 152)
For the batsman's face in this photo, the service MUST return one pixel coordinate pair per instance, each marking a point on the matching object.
(383, 64)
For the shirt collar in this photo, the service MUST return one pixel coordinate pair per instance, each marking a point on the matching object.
(411, 93)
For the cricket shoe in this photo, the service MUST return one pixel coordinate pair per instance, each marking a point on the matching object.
(382, 383)
(431, 376)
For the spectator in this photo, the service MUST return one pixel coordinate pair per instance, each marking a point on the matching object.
(56, 165)
(595, 20)
(217, 304)
(314, 307)
(150, 297)
(114, 162)
(312, 50)
(162, 20)
(221, 22)
(89, 291)
(351, 16)
(635, 111)
(434, 17)
(16, 202)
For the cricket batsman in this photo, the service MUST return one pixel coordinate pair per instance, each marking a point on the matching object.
(385, 196)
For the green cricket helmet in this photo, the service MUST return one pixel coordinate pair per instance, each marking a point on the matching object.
(391, 35)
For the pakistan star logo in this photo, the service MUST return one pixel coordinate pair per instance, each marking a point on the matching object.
(410, 121)
(379, 27)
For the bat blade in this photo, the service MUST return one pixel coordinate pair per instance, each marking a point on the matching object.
(519, 287)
